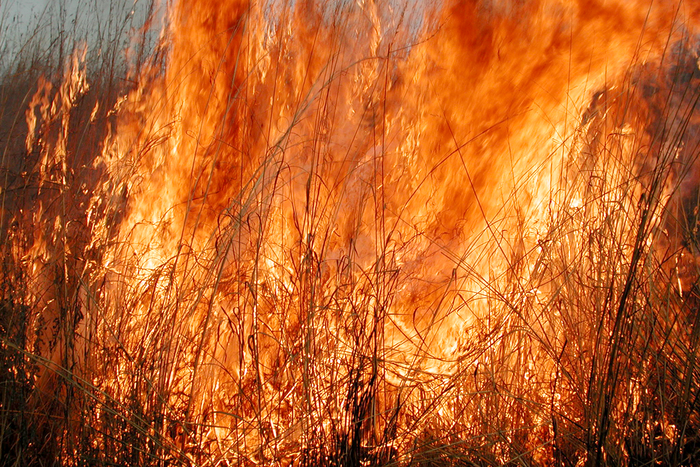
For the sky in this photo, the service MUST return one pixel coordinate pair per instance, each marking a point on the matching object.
(22, 9)
(19, 14)
(24, 20)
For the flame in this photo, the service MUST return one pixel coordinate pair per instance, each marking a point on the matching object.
(372, 221)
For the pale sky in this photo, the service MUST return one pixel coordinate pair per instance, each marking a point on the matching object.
(20, 12)
(42, 21)
(24, 7)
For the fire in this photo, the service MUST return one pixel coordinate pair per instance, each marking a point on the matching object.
(361, 233)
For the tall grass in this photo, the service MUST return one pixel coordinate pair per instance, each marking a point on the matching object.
(301, 234)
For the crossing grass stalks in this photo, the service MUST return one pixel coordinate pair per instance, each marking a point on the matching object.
(583, 351)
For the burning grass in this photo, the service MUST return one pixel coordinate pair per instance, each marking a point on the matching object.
(356, 234)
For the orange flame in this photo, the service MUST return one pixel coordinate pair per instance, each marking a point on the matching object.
(340, 217)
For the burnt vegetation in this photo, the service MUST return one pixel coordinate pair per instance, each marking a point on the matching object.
(339, 235)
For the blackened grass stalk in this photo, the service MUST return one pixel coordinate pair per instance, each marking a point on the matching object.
(579, 347)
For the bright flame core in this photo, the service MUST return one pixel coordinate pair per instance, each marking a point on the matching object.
(342, 226)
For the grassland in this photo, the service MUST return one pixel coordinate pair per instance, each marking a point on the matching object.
(351, 234)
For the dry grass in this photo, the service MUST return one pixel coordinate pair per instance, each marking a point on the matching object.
(285, 247)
